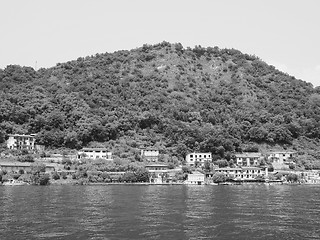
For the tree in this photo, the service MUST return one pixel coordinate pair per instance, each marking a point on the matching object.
(142, 175)
(129, 177)
(186, 169)
(222, 163)
(55, 176)
(38, 175)
(44, 179)
(219, 177)
(292, 177)
(207, 166)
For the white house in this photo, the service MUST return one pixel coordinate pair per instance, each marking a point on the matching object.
(94, 153)
(195, 178)
(150, 154)
(243, 173)
(21, 141)
(193, 159)
(158, 172)
(248, 159)
(281, 157)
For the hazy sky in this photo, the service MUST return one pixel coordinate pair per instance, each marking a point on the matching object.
(284, 33)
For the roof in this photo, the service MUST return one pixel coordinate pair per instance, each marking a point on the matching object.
(196, 173)
(251, 168)
(10, 164)
(22, 164)
(156, 165)
(93, 149)
(149, 149)
(228, 169)
(199, 153)
(22, 135)
(280, 152)
(255, 154)
(50, 165)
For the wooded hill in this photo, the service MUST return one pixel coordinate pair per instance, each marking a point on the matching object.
(165, 96)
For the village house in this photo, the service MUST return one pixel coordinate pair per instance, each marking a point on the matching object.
(95, 153)
(195, 178)
(150, 154)
(158, 172)
(193, 159)
(243, 173)
(248, 159)
(311, 177)
(21, 142)
(280, 159)
(26, 167)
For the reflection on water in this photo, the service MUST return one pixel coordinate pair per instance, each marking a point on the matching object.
(160, 212)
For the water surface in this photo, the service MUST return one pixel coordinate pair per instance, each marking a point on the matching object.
(160, 212)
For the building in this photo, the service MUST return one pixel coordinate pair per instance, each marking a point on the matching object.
(26, 167)
(158, 173)
(21, 142)
(150, 154)
(198, 159)
(309, 177)
(248, 159)
(243, 173)
(195, 178)
(95, 153)
(280, 158)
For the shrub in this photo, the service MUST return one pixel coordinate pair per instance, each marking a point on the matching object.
(55, 176)
(44, 179)
(26, 158)
(64, 175)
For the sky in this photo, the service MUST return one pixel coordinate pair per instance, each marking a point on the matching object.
(42, 33)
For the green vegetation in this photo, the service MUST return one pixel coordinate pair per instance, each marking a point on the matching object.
(175, 99)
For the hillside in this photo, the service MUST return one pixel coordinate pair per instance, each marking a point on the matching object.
(163, 95)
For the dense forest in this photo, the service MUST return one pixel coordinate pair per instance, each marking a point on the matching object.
(165, 96)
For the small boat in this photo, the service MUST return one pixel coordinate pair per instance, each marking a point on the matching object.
(212, 183)
(225, 183)
(13, 182)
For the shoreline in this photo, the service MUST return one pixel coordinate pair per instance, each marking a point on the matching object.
(75, 183)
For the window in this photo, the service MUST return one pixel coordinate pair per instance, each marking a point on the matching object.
(199, 156)
(204, 156)
(191, 156)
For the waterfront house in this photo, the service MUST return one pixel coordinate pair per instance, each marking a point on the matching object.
(243, 173)
(150, 154)
(311, 176)
(95, 153)
(21, 142)
(25, 166)
(158, 172)
(195, 178)
(198, 159)
(248, 159)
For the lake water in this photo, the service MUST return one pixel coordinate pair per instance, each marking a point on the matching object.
(160, 212)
